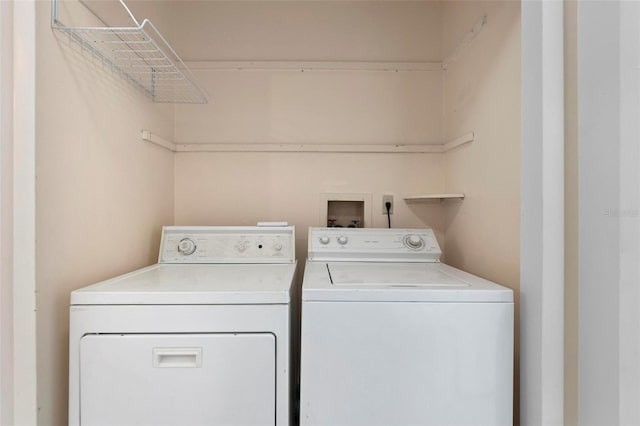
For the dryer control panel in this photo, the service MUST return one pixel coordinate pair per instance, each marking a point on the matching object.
(227, 244)
(373, 244)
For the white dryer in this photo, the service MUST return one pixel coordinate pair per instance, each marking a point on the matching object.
(391, 336)
(200, 338)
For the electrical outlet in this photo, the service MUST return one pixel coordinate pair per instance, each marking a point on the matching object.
(385, 199)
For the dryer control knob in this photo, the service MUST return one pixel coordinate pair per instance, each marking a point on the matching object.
(342, 239)
(242, 245)
(413, 241)
(186, 246)
(277, 246)
(324, 240)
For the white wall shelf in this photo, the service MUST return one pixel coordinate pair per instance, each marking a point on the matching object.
(431, 197)
(148, 136)
(140, 54)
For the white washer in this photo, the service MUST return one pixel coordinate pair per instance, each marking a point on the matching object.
(390, 336)
(202, 337)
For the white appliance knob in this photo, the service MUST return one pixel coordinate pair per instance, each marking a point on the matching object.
(414, 241)
(324, 239)
(277, 246)
(186, 246)
(241, 246)
(342, 239)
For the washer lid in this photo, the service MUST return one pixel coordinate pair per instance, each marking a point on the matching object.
(397, 282)
(391, 275)
(168, 284)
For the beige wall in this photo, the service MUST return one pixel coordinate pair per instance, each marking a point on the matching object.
(315, 107)
(279, 105)
(243, 188)
(482, 95)
(102, 194)
(6, 213)
(393, 30)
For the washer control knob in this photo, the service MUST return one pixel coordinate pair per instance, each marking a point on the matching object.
(414, 241)
(186, 246)
(342, 239)
(324, 240)
(277, 246)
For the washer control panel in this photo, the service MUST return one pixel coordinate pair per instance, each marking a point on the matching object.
(227, 244)
(373, 244)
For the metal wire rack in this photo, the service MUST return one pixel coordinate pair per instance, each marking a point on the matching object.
(140, 54)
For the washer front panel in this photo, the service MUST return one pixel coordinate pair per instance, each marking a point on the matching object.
(427, 364)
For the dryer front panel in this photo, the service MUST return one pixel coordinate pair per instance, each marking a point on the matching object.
(178, 379)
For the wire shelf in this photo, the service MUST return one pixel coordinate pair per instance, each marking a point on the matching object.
(139, 54)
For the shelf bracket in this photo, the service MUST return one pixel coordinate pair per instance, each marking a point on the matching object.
(155, 139)
(459, 141)
(465, 42)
